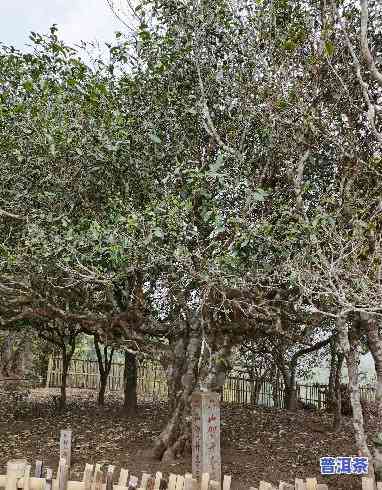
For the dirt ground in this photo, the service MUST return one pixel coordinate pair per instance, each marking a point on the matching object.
(257, 443)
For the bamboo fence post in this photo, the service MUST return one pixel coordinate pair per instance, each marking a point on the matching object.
(109, 477)
(123, 476)
(39, 468)
(15, 470)
(227, 482)
(311, 484)
(299, 484)
(188, 481)
(368, 483)
(98, 477)
(171, 482)
(214, 485)
(145, 478)
(49, 479)
(26, 479)
(265, 486)
(87, 478)
(62, 474)
(133, 482)
(158, 479)
(49, 372)
(285, 486)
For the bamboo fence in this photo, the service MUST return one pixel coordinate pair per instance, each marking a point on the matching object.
(152, 384)
(18, 476)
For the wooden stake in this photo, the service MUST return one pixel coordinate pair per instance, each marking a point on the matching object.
(227, 482)
(368, 484)
(123, 476)
(285, 486)
(39, 468)
(109, 477)
(205, 481)
(311, 484)
(66, 446)
(15, 470)
(188, 481)
(62, 474)
(171, 482)
(87, 478)
(158, 479)
(144, 480)
(49, 479)
(133, 482)
(98, 477)
(27, 473)
(265, 486)
(179, 482)
(214, 485)
(299, 484)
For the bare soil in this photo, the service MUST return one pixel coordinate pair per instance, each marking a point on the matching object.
(257, 443)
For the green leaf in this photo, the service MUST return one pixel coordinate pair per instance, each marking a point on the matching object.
(28, 85)
(155, 139)
(214, 167)
(329, 48)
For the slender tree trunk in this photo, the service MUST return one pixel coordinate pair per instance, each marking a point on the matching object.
(290, 390)
(65, 369)
(337, 420)
(331, 398)
(102, 389)
(349, 344)
(130, 384)
(374, 340)
(104, 367)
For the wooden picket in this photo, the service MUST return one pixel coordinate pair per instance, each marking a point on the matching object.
(18, 477)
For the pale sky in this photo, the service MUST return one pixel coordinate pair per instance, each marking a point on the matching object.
(87, 20)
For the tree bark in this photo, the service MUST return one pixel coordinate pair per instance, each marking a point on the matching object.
(11, 356)
(330, 401)
(130, 384)
(65, 369)
(104, 367)
(349, 343)
(175, 439)
(374, 340)
(337, 420)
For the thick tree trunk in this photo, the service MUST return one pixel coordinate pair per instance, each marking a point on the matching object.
(175, 439)
(130, 384)
(11, 356)
(350, 344)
